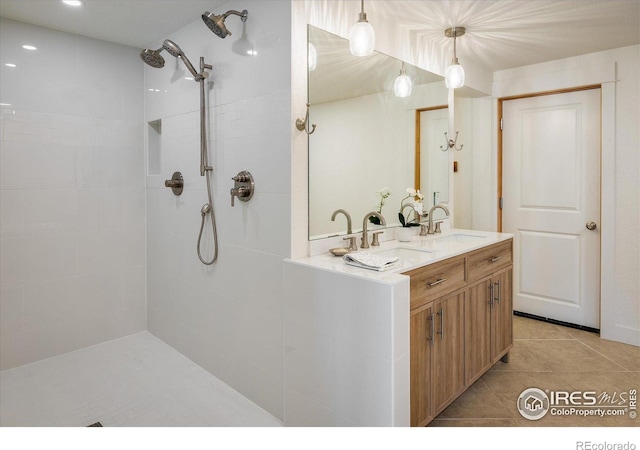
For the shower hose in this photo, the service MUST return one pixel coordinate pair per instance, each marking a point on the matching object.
(207, 208)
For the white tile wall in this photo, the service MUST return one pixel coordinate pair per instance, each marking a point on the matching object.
(72, 216)
(226, 317)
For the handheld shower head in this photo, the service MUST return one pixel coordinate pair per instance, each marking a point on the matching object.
(174, 50)
(152, 57)
(216, 23)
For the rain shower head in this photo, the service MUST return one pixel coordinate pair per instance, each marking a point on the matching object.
(216, 23)
(174, 50)
(152, 57)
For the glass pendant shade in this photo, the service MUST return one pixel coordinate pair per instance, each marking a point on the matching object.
(313, 57)
(402, 86)
(454, 76)
(362, 39)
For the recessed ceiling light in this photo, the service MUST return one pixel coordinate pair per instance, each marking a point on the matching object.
(5, 104)
(73, 2)
(10, 65)
(29, 47)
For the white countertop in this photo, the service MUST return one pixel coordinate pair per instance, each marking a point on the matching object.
(437, 247)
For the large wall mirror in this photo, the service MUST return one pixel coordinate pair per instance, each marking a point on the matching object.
(365, 138)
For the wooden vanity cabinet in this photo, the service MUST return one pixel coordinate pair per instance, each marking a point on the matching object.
(460, 325)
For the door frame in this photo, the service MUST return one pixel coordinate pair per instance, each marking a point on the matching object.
(608, 327)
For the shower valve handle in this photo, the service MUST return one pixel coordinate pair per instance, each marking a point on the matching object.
(240, 192)
(243, 187)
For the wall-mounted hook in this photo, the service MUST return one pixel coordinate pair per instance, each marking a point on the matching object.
(302, 125)
(451, 143)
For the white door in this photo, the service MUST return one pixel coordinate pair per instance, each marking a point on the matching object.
(551, 195)
(434, 163)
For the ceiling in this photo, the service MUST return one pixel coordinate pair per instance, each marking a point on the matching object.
(500, 34)
(137, 23)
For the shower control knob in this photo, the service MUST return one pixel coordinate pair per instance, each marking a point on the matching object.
(243, 188)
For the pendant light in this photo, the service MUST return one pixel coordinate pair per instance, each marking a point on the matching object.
(454, 75)
(362, 38)
(403, 84)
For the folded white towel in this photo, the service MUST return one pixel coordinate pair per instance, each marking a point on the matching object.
(370, 261)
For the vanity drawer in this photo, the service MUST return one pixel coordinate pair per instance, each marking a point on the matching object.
(487, 260)
(433, 281)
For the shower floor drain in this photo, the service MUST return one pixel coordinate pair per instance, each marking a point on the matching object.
(97, 424)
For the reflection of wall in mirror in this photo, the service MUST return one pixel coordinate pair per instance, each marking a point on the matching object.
(360, 146)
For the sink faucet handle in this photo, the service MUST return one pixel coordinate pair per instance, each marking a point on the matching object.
(423, 230)
(352, 243)
(376, 242)
(438, 227)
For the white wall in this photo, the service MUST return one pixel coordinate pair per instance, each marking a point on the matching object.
(72, 220)
(226, 317)
(619, 72)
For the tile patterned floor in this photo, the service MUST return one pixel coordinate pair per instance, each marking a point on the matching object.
(140, 381)
(552, 357)
(134, 381)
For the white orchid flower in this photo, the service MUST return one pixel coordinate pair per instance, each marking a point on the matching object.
(411, 191)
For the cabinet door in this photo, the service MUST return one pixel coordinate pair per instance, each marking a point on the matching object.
(477, 348)
(502, 314)
(421, 342)
(448, 350)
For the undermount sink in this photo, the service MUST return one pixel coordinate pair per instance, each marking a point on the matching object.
(460, 238)
(402, 252)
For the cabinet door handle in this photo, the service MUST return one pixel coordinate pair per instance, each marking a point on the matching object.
(438, 281)
(491, 295)
(430, 337)
(494, 259)
(498, 286)
(441, 332)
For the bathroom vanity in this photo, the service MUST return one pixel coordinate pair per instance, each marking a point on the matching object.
(395, 348)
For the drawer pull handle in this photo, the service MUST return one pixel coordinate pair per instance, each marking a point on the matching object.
(438, 281)
(494, 259)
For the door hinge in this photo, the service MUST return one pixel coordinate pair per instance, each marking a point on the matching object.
(501, 123)
(501, 203)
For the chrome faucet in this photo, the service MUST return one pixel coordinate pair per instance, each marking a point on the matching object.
(431, 230)
(364, 242)
(346, 214)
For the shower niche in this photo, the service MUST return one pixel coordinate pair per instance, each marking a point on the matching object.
(154, 147)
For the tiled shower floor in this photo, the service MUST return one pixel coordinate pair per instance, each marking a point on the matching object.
(133, 381)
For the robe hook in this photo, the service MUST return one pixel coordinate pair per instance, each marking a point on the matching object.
(302, 125)
(451, 143)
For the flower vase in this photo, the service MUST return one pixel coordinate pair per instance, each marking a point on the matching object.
(405, 234)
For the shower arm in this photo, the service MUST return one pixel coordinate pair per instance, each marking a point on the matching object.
(201, 78)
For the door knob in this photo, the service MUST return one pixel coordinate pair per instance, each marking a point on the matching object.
(591, 226)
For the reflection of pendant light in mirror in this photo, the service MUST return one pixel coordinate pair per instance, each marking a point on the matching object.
(402, 86)
(454, 75)
(312, 56)
(362, 38)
